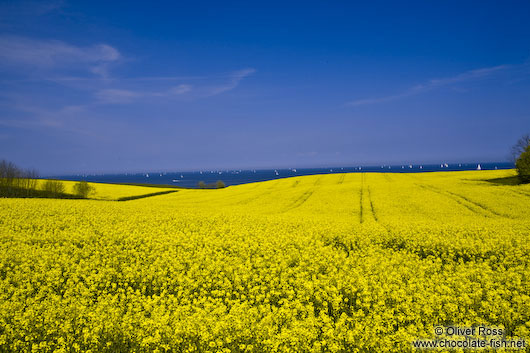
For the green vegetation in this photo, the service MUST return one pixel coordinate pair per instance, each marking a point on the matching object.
(219, 184)
(16, 182)
(163, 186)
(521, 154)
(520, 146)
(83, 189)
(136, 197)
(19, 183)
(523, 166)
(54, 186)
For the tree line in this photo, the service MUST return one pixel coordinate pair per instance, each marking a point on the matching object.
(18, 182)
(15, 181)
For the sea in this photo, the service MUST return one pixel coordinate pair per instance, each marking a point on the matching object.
(191, 179)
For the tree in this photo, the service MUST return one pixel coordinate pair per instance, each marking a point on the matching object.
(8, 173)
(27, 180)
(202, 184)
(523, 165)
(220, 184)
(83, 189)
(54, 187)
(16, 182)
(31, 176)
(520, 147)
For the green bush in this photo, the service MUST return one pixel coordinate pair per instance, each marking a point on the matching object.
(220, 184)
(523, 166)
(83, 189)
(54, 187)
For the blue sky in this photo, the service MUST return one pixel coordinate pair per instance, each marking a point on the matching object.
(92, 87)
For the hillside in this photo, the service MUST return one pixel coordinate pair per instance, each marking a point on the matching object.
(333, 263)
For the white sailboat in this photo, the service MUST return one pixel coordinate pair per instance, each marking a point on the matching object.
(479, 167)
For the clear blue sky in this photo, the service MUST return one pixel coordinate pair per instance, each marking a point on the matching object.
(91, 86)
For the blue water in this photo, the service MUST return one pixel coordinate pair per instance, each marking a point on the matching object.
(235, 177)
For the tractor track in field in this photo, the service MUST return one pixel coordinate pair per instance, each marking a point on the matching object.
(485, 208)
(304, 197)
(439, 192)
(341, 179)
(361, 220)
(374, 214)
(387, 177)
(521, 192)
(300, 200)
(471, 205)
(266, 192)
(365, 197)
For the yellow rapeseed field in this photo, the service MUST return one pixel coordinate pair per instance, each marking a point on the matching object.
(362, 262)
